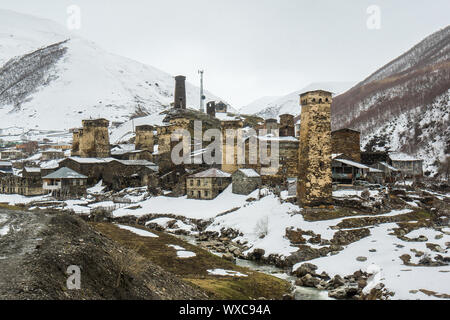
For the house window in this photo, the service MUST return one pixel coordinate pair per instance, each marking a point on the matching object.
(74, 182)
(191, 182)
(219, 182)
(206, 193)
(199, 194)
(198, 183)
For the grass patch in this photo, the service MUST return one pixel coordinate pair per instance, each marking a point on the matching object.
(194, 270)
(11, 207)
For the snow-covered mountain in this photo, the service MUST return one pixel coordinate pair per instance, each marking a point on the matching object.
(52, 79)
(404, 105)
(272, 107)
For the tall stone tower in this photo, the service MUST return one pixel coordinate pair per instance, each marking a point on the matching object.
(94, 139)
(180, 92)
(144, 138)
(229, 151)
(287, 128)
(314, 183)
(211, 108)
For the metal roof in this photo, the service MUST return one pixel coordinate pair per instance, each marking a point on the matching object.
(65, 173)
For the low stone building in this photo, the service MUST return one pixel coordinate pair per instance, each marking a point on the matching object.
(52, 154)
(65, 182)
(6, 167)
(207, 184)
(11, 154)
(121, 174)
(390, 173)
(409, 166)
(245, 181)
(93, 168)
(29, 183)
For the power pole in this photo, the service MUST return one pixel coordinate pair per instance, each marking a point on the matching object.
(202, 97)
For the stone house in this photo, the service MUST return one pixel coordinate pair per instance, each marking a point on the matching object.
(93, 168)
(390, 173)
(347, 141)
(245, 181)
(11, 154)
(65, 182)
(409, 166)
(52, 154)
(6, 167)
(28, 183)
(121, 174)
(207, 184)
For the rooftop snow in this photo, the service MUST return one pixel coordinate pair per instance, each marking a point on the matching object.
(65, 173)
(400, 156)
(211, 173)
(352, 163)
(249, 173)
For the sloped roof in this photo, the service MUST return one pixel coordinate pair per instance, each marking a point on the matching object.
(352, 163)
(388, 166)
(32, 169)
(401, 156)
(211, 173)
(249, 173)
(65, 173)
(91, 160)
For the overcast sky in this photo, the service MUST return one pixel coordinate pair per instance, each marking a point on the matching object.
(252, 48)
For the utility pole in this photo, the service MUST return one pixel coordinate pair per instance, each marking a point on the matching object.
(202, 97)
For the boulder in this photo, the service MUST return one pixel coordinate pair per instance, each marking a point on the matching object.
(304, 269)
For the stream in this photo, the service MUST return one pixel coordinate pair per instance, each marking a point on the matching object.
(300, 293)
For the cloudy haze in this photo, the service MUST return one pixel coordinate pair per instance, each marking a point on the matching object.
(252, 48)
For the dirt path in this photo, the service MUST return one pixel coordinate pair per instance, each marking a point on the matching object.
(21, 239)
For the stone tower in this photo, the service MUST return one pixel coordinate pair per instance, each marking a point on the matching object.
(76, 133)
(287, 128)
(144, 138)
(314, 183)
(230, 149)
(93, 139)
(180, 92)
(211, 108)
(271, 124)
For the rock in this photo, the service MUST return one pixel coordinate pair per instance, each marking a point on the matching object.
(406, 258)
(421, 238)
(373, 250)
(299, 282)
(362, 283)
(361, 259)
(228, 256)
(339, 293)
(295, 236)
(337, 281)
(345, 237)
(288, 297)
(316, 239)
(324, 276)
(439, 236)
(435, 247)
(304, 269)
(309, 281)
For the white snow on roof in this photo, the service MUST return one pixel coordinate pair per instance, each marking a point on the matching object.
(352, 163)
(335, 155)
(211, 173)
(30, 169)
(52, 164)
(401, 156)
(249, 172)
(388, 166)
(92, 160)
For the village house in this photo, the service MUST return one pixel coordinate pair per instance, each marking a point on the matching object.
(346, 171)
(11, 154)
(6, 167)
(120, 174)
(65, 182)
(207, 184)
(93, 168)
(27, 182)
(52, 154)
(391, 173)
(245, 181)
(409, 166)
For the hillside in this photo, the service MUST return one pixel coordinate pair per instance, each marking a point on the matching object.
(405, 104)
(52, 79)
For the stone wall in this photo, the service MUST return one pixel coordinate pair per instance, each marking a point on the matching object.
(346, 141)
(230, 150)
(314, 186)
(144, 138)
(93, 140)
(243, 184)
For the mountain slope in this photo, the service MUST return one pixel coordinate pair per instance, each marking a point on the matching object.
(52, 79)
(405, 104)
(272, 107)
